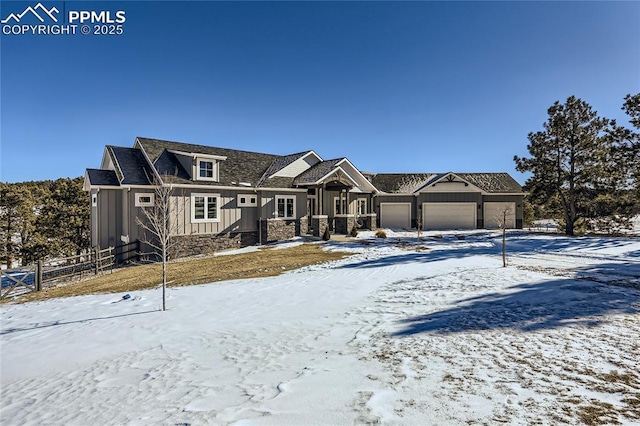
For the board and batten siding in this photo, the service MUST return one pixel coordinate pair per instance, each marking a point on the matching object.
(267, 203)
(108, 217)
(231, 217)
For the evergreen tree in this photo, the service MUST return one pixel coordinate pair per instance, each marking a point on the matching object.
(64, 218)
(11, 201)
(568, 159)
(43, 219)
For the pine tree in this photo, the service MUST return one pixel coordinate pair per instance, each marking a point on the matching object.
(568, 159)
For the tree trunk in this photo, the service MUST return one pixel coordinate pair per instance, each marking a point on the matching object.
(504, 244)
(164, 280)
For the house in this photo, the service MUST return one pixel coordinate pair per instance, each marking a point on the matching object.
(225, 198)
(440, 201)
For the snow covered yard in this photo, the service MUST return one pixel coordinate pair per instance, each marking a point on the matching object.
(406, 331)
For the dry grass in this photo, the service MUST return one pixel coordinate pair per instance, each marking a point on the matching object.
(263, 263)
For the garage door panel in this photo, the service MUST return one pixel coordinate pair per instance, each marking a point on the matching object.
(443, 216)
(493, 210)
(395, 215)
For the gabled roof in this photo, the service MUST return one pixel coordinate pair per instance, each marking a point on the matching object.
(168, 165)
(240, 166)
(495, 183)
(134, 167)
(316, 172)
(280, 163)
(100, 177)
(492, 183)
(394, 182)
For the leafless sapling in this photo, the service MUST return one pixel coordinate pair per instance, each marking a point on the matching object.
(158, 221)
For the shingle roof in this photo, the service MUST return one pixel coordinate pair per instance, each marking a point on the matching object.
(167, 164)
(316, 172)
(100, 177)
(392, 182)
(492, 182)
(280, 163)
(240, 166)
(134, 167)
(277, 182)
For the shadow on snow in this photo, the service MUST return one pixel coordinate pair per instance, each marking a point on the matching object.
(528, 307)
(58, 323)
(483, 244)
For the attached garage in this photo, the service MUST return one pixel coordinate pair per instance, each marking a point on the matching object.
(495, 210)
(443, 216)
(395, 215)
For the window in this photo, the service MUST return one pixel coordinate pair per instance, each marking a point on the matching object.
(144, 200)
(207, 170)
(205, 208)
(285, 207)
(247, 200)
(340, 206)
(362, 206)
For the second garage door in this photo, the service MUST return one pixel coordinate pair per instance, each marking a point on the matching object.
(395, 215)
(495, 211)
(442, 216)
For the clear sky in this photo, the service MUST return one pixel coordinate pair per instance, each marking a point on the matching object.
(393, 86)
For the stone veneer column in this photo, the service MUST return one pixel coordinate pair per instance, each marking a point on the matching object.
(319, 223)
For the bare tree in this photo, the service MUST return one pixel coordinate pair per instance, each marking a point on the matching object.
(502, 220)
(158, 221)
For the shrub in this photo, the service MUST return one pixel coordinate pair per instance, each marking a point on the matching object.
(381, 234)
(354, 231)
(326, 236)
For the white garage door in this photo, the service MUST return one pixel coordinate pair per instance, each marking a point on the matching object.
(395, 215)
(494, 210)
(448, 216)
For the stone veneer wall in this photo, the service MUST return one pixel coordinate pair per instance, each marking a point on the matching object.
(318, 224)
(369, 222)
(344, 224)
(282, 229)
(191, 245)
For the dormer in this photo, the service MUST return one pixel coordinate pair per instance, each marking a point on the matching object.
(201, 167)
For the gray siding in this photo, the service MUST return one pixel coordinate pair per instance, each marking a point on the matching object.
(109, 217)
(267, 203)
(450, 197)
(231, 219)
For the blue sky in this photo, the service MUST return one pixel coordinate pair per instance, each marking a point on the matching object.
(393, 86)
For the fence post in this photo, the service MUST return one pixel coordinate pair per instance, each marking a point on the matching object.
(96, 253)
(39, 275)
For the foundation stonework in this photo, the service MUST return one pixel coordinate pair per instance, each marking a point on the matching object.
(191, 245)
(282, 229)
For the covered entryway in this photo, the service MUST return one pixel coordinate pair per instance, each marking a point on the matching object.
(494, 210)
(442, 216)
(395, 215)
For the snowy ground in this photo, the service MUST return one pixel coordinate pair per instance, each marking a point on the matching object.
(417, 332)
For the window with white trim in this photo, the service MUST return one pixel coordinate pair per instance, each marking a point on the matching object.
(340, 205)
(362, 206)
(286, 206)
(247, 200)
(144, 199)
(207, 170)
(205, 208)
